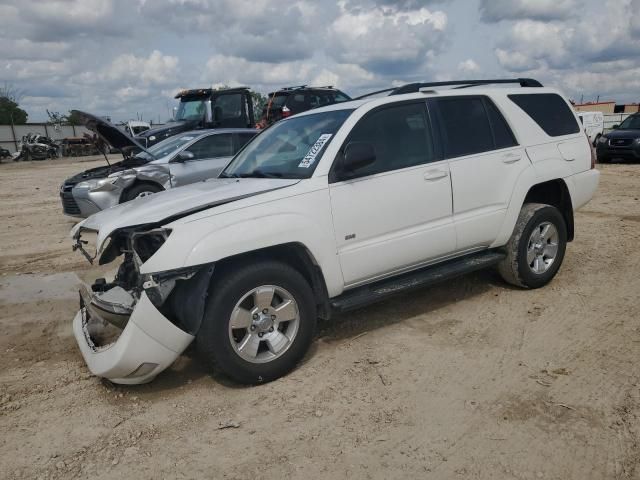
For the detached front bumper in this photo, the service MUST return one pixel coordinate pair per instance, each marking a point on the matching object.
(148, 344)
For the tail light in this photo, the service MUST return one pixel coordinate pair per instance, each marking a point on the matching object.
(593, 152)
(286, 112)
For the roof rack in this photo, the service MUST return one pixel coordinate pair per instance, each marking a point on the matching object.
(416, 87)
(297, 87)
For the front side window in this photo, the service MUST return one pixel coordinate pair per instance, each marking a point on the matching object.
(213, 146)
(464, 126)
(228, 106)
(290, 148)
(400, 136)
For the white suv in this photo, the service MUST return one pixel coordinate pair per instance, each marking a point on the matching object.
(330, 210)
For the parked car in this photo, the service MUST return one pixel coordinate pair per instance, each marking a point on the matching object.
(205, 108)
(4, 153)
(136, 127)
(292, 100)
(179, 160)
(593, 124)
(328, 211)
(623, 142)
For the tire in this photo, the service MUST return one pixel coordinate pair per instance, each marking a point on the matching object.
(516, 268)
(140, 190)
(219, 346)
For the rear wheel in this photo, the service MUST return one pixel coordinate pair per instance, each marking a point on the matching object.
(536, 248)
(259, 322)
(140, 190)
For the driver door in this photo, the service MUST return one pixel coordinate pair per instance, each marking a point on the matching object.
(210, 155)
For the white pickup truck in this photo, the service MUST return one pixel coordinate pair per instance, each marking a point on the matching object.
(330, 210)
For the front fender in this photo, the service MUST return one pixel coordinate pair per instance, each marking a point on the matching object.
(215, 238)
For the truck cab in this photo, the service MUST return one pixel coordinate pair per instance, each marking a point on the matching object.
(205, 108)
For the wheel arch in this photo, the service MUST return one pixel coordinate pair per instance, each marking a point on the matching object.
(137, 182)
(297, 256)
(555, 193)
(195, 291)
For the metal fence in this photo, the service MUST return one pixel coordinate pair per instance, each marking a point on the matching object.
(10, 135)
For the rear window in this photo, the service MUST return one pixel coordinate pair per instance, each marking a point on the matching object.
(549, 111)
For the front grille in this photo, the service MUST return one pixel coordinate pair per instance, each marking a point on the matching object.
(69, 205)
(620, 142)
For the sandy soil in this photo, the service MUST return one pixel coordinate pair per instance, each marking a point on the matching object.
(471, 379)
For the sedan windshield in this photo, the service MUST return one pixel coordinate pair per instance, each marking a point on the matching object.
(631, 123)
(190, 109)
(289, 149)
(166, 147)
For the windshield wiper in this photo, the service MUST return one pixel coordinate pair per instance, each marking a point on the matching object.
(257, 173)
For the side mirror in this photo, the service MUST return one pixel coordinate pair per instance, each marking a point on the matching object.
(183, 156)
(615, 126)
(358, 155)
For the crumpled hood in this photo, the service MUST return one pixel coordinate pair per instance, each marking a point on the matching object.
(167, 206)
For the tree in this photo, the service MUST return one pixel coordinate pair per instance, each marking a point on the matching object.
(11, 113)
(57, 118)
(259, 101)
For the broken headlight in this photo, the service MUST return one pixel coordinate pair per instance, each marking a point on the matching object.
(159, 285)
(145, 244)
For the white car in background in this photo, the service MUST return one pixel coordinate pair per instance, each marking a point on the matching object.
(593, 123)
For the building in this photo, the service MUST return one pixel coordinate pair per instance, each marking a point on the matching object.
(604, 107)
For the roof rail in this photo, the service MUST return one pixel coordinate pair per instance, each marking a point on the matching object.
(415, 87)
(297, 87)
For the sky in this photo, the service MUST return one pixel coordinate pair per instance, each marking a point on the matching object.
(128, 58)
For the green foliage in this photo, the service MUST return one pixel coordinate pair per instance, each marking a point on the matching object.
(259, 101)
(57, 118)
(10, 112)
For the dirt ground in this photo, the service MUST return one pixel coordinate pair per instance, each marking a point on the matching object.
(471, 379)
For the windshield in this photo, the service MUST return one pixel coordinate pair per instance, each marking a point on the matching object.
(631, 123)
(190, 109)
(289, 149)
(166, 147)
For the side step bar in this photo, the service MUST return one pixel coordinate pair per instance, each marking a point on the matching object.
(367, 294)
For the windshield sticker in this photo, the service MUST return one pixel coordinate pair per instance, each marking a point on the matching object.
(310, 158)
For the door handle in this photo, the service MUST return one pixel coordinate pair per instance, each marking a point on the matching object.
(432, 175)
(569, 159)
(511, 158)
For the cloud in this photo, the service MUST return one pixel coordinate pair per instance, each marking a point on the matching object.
(544, 10)
(468, 66)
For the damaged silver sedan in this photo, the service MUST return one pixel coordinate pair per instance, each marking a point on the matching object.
(179, 160)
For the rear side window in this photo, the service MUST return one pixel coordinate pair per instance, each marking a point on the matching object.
(464, 126)
(242, 139)
(549, 111)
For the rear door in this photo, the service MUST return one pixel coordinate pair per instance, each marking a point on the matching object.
(394, 214)
(211, 155)
(485, 161)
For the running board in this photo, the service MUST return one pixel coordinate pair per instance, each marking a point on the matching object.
(367, 294)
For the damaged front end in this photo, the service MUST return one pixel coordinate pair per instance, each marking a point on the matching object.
(131, 327)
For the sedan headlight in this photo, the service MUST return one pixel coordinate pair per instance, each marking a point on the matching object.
(98, 185)
(603, 139)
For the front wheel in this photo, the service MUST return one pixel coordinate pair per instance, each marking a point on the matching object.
(259, 322)
(139, 191)
(536, 248)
